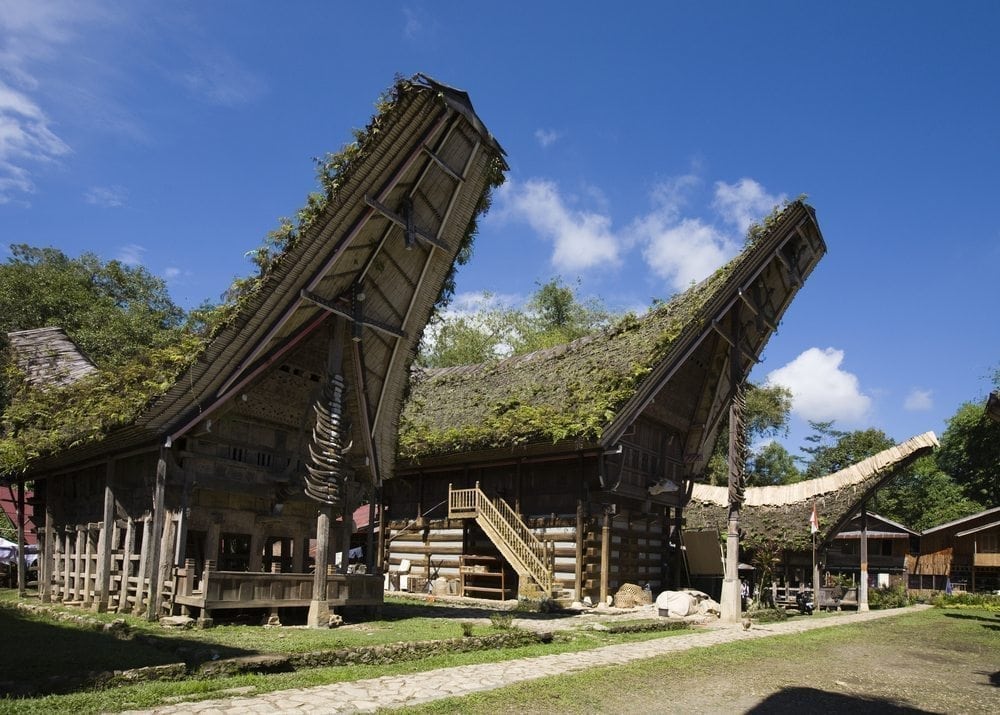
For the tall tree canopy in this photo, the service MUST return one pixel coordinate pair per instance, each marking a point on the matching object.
(970, 453)
(831, 450)
(111, 310)
(924, 497)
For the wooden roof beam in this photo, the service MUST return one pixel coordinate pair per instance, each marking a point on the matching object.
(406, 223)
(351, 315)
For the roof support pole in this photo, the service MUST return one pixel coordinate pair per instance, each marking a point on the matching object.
(104, 541)
(731, 593)
(153, 597)
(22, 563)
(319, 607)
(863, 585)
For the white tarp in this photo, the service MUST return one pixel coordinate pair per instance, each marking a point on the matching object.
(8, 553)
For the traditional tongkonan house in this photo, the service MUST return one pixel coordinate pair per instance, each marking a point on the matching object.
(564, 472)
(775, 521)
(208, 495)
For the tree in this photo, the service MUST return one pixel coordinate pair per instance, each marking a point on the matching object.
(553, 316)
(924, 497)
(847, 448)
(970, 453)
(114, 312)
(772, 465)
(111, 310)
(767, 411)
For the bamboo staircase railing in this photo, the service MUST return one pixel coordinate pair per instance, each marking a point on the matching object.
(508, 533)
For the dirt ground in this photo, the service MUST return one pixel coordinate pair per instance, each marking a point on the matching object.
(946, 664)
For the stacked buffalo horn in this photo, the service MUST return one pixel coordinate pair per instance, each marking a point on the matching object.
(329, 467)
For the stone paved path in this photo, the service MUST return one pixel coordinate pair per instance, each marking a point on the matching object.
(393, 691)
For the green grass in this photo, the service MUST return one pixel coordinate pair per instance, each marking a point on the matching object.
(47, 647)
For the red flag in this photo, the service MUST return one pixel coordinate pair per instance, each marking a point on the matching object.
(813, 521)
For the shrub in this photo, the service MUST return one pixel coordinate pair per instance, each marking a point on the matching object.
(987, 601)
(889, 597)
(467, 629)
(502, 621)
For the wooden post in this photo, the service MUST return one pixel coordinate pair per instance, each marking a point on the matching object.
(731, 603)
(69, 586)
(127, 548)
(319, 609)
(49, 567)
(346, 530)
(578, 571)
(159, 521)
(863, 585)
(299, 548)
(142, 575)
(166, 564)
(79, 585)
(381, 565)
(605, 555)
(213, 538)
(105, 541)
(257, 542)
(370, 560)
(22, 562)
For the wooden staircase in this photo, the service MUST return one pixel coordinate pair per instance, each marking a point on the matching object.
(529, 557)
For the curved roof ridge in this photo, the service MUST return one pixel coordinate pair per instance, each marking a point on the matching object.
(805, 490)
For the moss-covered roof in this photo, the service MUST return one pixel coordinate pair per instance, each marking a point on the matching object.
(574, 391)
(781, 514)
(424, 135)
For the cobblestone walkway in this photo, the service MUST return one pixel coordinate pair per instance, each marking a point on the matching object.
(401, 690)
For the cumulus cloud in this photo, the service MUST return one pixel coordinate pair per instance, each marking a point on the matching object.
(821, 389)
(106, 196)
(740, 204)
(918, 400)
(581, 239)
(547, 137)
(131, 254)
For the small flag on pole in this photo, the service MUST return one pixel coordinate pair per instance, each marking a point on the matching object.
(813, 521)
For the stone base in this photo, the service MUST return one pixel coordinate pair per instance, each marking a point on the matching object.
(319, 614)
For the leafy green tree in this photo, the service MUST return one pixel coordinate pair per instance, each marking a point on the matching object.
(553, 316)
(772, 465)
(768, 409)
(924, 497)
(846, 449)
(970, 453)
(111, 310)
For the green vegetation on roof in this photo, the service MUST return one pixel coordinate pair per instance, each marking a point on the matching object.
(573, 391)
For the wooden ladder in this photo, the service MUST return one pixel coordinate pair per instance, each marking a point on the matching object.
(509, 534)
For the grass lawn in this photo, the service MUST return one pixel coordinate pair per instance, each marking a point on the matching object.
(46, 648)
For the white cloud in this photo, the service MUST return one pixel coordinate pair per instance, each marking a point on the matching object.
(413, 25)
(106, 196)
(918, 400)
(547, 137)
(821, 390)
(742, 203)
(581, 239)
(219, 78)
(131, 254)
(685, 253)
(26, 139)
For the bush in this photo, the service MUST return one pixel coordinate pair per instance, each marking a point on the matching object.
(767, 615)
(502, 621)
(467, 629)
(889, 597)
(967, 600)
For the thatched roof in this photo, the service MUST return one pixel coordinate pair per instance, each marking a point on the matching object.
(590, 390)
(782, 513)
(426, 161)
(48, 356)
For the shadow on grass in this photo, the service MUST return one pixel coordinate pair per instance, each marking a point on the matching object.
(971, 617)
(42, 656)
(392, 611)
(800, 700)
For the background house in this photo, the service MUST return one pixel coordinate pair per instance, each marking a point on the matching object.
(963, 554)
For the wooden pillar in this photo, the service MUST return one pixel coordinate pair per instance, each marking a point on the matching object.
(166, 565)
(126, 572)
(49, 566)
(605, 555)
(319, 609)
(105, 541)
(580, 536)
(381, 565)
(142, 576)
(863, 585)
(213, 539)
(180, 550)
(79, 563)
(370, 559)
(346, 531)
(22, 562)
(257, 542)
(159, 522)
(299, 547)
(68, 584)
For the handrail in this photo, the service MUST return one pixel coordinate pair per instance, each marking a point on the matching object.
(523, 545)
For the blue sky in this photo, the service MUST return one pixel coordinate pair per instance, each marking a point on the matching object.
(641, 140)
